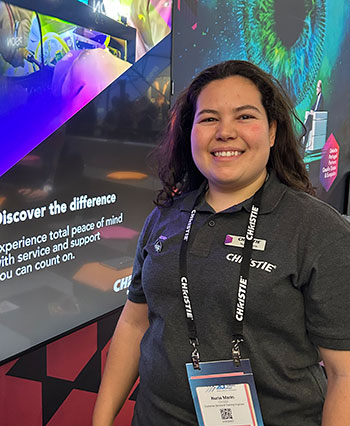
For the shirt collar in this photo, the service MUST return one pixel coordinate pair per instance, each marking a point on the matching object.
(272, 195)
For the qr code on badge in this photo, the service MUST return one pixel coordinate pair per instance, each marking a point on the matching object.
(226, 414)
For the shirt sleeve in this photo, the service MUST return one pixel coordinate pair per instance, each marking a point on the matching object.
(135, 293)
(327, 297)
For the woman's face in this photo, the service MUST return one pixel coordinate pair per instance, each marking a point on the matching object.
(231, 137)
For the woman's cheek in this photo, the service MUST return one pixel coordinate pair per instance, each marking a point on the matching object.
(255, 129)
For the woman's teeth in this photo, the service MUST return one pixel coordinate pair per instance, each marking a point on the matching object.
(227, 153)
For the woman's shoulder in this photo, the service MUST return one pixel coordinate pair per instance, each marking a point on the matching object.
(169, 209)
(180, 201)
(163, 217)
(315, 212)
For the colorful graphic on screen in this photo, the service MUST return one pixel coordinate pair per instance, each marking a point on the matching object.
(304, 44)
(50, 69)
(82, 105)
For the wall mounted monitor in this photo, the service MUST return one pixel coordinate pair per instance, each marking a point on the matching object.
(79, 114)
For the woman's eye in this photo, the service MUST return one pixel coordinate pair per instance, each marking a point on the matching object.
(245, 117)
(208, 119)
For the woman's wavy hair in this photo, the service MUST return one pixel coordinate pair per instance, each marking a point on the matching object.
(176, 167)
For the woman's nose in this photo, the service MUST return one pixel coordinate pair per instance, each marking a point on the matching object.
(226, 130)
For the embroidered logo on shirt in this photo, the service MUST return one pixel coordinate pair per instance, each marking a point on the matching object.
(158, 245)
(238, 241)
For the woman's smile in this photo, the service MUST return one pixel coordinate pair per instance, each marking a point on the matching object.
(227, 153)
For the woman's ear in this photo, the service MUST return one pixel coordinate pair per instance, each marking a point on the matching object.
(272, 132)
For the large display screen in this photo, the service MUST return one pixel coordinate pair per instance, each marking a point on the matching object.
(305, 45)
(80, 110)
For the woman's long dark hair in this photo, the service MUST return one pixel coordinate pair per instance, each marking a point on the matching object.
(176, 167)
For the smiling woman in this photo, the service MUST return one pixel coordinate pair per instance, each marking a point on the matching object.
(259, 107)
(231, 140)
(235, 263)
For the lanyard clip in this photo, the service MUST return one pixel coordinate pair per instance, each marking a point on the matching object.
(195, 353)
(236, 352)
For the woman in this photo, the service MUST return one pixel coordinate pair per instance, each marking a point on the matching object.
(230, 137)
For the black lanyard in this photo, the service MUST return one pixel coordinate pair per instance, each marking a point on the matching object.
(242, 282)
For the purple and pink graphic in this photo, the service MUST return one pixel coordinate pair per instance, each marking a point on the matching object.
(50, 69)
(329, 162)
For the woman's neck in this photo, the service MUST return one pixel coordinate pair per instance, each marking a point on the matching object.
(220, 198)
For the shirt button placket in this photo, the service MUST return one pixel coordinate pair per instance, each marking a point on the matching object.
(211, 223)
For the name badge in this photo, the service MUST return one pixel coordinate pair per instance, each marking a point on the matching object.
(224, 395)
(238, 241)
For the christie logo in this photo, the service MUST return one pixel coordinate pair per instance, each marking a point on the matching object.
(122, 284)
(252, 222)
(186, 299)
(239, 241)
(189, 224)
(258, 264)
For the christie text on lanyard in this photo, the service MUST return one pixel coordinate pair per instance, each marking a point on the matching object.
(242, 283)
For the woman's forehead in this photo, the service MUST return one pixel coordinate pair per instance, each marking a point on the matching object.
(234, 90)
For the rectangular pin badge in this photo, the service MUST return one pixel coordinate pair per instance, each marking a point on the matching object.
(238, 241)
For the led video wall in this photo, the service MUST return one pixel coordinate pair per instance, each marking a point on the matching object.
(80, 110)
(305, 45)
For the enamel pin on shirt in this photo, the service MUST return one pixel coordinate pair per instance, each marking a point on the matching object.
(158, 245)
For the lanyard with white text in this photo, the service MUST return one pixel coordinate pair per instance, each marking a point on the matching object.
(242, 284)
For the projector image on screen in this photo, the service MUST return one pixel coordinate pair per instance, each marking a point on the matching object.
(316, 138)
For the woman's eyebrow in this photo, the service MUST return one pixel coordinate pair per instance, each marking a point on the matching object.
(244, 107)
(237, 109)
(206, 111)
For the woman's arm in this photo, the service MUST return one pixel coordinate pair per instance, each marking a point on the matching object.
(336, 411)
(122, 364)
